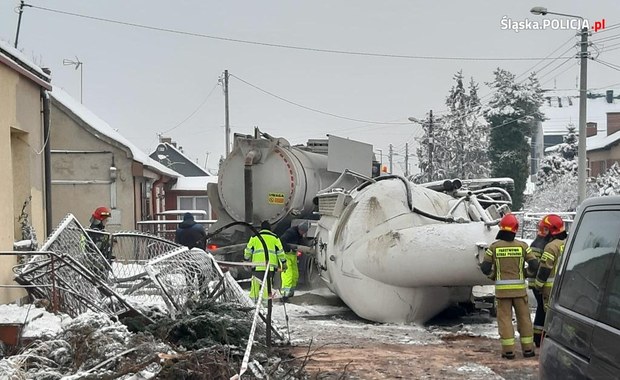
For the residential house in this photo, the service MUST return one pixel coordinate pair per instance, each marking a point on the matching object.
(94, 165)
(172, 157)
(561, 108)
(189, 191)
(24, 129)
(603, 149)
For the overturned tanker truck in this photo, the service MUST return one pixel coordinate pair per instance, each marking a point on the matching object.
(392, 250)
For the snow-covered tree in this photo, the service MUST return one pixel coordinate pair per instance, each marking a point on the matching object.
(432, 138)
(460, 138)
(467, 131)
(559, 196)
(512, 114)
(609, 182)
(563, 161)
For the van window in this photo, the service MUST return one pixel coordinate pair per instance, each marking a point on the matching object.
(589, 264)
(611, 304)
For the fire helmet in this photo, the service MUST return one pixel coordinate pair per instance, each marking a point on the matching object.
(554, 223)
(509, 223)
(101, 213)
(542, 228)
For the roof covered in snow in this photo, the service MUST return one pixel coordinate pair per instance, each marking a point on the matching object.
(17, 56)
(194, 183)
(561, 108)
(104, 128)
(600, 141)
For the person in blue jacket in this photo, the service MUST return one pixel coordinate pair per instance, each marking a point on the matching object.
(190, 233)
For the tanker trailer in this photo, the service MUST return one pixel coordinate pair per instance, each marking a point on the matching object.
(398, 252)
(265, 178)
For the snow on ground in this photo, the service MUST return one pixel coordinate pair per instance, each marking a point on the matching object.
(318, 315)
(37, 322)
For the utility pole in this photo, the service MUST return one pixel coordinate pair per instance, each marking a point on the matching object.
(583, 97)
(430, 146)
(226, 112)
(19, 20)
(390, 158)
(406, 160)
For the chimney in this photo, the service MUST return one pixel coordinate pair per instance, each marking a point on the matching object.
(609, 96)
(613, 122)
(165, 140)
(590, 129)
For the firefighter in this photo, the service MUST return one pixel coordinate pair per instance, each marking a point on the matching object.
(290, 277)
(275, 260)
(101, 239)
(504, 262)
(551, 256)
(538, 247)
(99, 218)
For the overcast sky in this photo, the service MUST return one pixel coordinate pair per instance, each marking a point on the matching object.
(144, 82)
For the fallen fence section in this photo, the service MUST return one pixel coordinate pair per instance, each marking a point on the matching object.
(140, 269)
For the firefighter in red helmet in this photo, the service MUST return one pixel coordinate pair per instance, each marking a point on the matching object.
(551, 256)
(504, 263)
(538, 246)
(98, 222)
(99, 218)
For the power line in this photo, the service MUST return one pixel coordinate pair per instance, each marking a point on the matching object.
(607, 38)
(610, 65)
(313, 109)
(609, 28)
(194, 112)
(286, 46)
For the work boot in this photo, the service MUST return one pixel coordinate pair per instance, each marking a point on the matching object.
(508, 355)
(529, 354)
(537, 339)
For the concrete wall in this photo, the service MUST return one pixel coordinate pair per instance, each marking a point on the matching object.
(22, 169)
(81, 180)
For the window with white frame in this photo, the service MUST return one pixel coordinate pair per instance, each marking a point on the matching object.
(194, 203)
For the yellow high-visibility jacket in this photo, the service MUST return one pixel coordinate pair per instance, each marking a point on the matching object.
(255, 252)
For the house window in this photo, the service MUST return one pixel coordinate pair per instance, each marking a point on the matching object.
(194, 203)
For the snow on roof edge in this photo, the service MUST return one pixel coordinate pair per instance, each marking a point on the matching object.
(16, 55)
(101, 126)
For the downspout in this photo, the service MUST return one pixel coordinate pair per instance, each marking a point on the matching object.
(250, 159)
(48, 161)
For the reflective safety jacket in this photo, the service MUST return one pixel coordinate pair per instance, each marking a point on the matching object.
(508, 266)
(255, 252)
(537, 247)
(549, 263)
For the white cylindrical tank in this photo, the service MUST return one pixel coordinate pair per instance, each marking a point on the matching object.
(285, 179)
(391, 264)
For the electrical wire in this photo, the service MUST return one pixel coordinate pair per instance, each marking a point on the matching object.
(606, 38)
(608, 28)
(285, 46)
(314, 109)
(610, 65)
(194, 112)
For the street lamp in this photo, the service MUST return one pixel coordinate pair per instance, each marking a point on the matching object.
(430, 141)
(78, 65)
(583, 94)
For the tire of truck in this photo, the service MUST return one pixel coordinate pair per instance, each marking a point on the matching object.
(308, 272)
